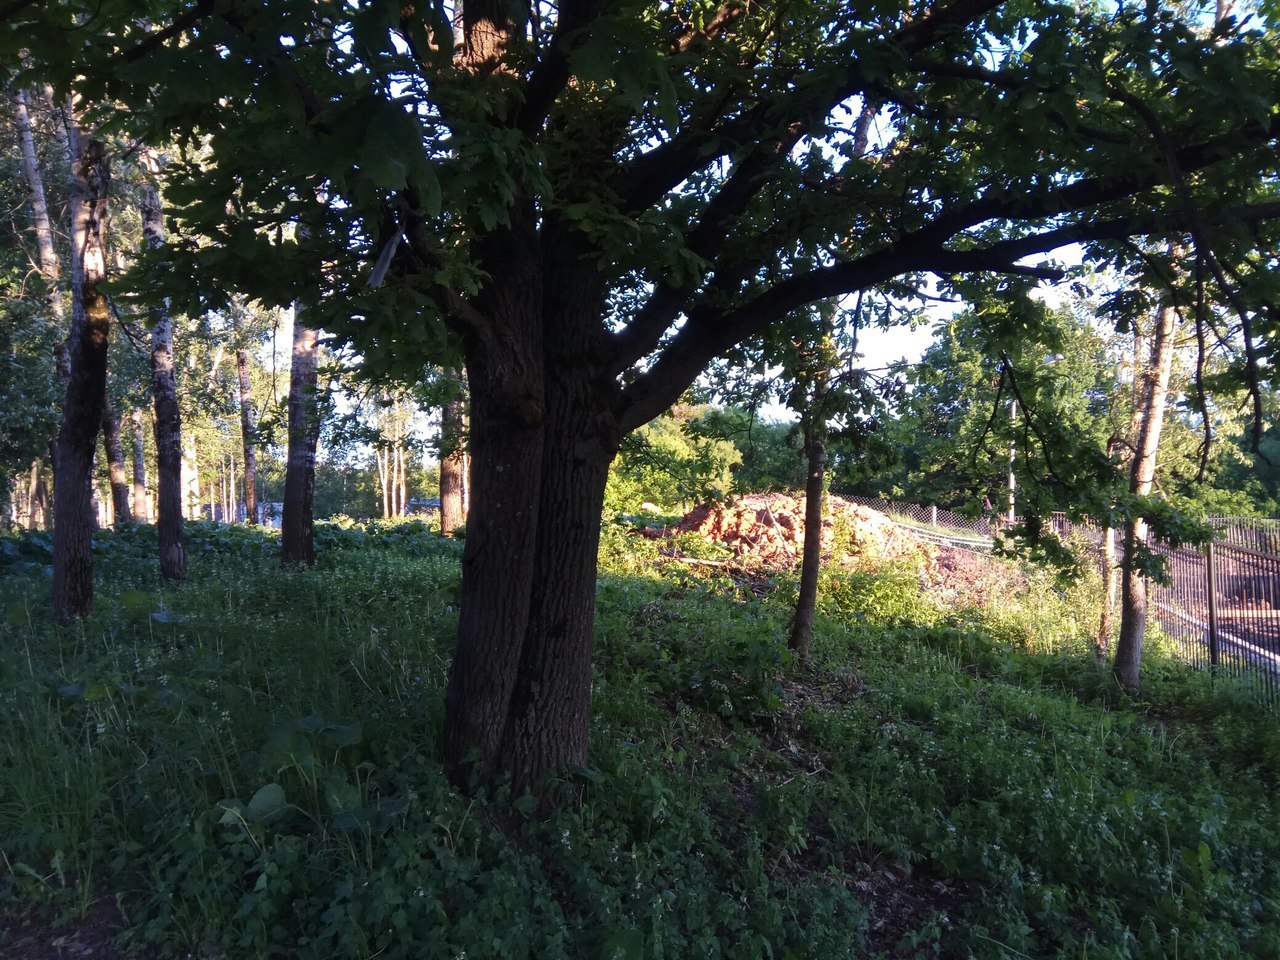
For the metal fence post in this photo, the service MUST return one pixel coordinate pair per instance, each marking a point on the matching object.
(1213, 604)
(933, 516)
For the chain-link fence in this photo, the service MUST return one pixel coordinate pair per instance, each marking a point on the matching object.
(915, 515)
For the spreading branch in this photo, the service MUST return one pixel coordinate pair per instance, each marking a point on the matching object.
(180, 25)
(646, 179)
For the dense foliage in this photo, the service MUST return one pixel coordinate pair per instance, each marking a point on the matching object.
(239, 763)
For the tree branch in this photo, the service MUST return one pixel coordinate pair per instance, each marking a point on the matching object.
(551, 75)
(710, 331)
(646, 179)
(705, 241)
(13, 8)
(183, 23)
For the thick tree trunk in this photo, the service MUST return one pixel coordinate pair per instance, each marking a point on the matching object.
(164, 393)
(86, 387)
(543, 433)
(520, 685)
(140, 512)
(247, 437)
(501, 549)
(549, 711)
(1148, 422)
(452, 446)
(297, 542)
(807, 603)
(113, 447)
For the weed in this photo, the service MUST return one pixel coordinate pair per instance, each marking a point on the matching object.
(248, 761)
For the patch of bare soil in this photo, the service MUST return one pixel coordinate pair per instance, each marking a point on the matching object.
(29, 933)
(767, 529)
(970, 578)
(904, 902)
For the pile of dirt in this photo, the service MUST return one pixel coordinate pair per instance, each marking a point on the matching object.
(768, 529)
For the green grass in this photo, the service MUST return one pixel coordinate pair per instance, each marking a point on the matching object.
(248, 763)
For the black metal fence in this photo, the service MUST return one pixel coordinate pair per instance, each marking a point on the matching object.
(1222, 607)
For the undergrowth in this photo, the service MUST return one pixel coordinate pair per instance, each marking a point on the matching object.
(248, 764)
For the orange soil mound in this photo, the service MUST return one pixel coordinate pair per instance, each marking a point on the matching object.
(768, 528)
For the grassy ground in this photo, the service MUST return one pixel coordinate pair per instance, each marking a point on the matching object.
(246, 765)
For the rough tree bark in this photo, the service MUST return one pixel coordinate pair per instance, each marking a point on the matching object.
(297, 541)
(164, 393)
(815, 448)
(452, 464)
(140, 512)
(1147, 424)
(246, 434)
(86, 386)
(113, 447)
(543, 432)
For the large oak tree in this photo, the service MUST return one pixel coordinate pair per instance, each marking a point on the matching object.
(593, 200)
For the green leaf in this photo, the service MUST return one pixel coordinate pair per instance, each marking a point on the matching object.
(623, 945)
(233, 811)
(344, 735)
(339, 795)
(266, 803)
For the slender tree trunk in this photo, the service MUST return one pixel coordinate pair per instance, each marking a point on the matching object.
(33, 493)
(101, 509)
(466, 484)
(401, 481)
(452, 447)
(113, 447)
(191, 477)
(297, 540)
(50, 269)
(164, 393)
(140, 512)
(86, 387)
(247, 437)
(383, 481)
(1148, 422)
(1110, 583)
(42, 496)
(807, 603)
(1013, 459)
